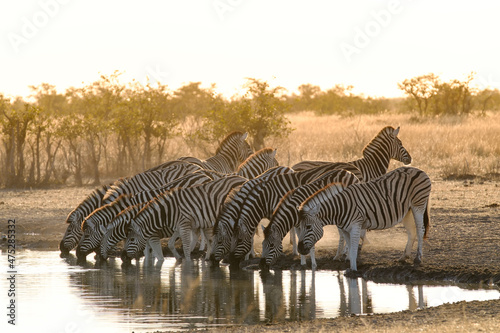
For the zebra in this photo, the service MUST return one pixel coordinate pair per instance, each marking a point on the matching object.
(75, 218)
(378, 204)
(185, 209)
(224, 223)
(264, 199)
(232, 151)
(376, 155)
(94, 225)
(285, 217)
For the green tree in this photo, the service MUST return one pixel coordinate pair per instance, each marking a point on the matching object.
(260, 112)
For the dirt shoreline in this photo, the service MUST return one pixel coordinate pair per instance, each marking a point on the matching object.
(463, 247)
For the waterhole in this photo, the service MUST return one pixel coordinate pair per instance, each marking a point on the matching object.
(57, 295)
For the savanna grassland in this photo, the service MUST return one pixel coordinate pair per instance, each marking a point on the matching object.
(444, 147)
(460, 154)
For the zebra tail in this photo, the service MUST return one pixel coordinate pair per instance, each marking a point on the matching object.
(426, 220)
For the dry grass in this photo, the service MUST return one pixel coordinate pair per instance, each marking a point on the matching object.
(443, 147)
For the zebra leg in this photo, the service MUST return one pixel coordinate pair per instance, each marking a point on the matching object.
(171, 245)
(207, 236)
(418, 215)
(155, 245)
(194, 239)
(203, 243)
(185, 233)
(340, 248)
(411, 231)
(293, 241)
(363, 239)
(313, 258)
(353, 240)
(147, 254)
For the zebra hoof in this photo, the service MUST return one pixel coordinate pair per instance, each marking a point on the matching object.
(417, 262)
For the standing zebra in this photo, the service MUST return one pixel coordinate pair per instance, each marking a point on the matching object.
(224, 224)
(265, 197)
(286, 216)
(376, 155)
(184, 209)
(94, 225)
(378, 204)
(232, 151)
(74, 232)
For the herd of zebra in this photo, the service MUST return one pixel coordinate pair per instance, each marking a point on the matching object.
(224, 198)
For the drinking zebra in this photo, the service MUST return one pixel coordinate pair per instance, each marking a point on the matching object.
(74, 232)
(232, 151)
(139, 182)
(378, 204)
(286, 217)
(376, 155)
(185, 209)
(265, 197)
(94, 225)
(224, 224)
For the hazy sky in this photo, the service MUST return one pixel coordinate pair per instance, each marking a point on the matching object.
(371, 45)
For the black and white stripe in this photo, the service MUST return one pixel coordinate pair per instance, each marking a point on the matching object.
(75, 218)
(232, 151)
(258, 163)
(376, 155)
(184, 209)
(285, 217)
(224, 224)
(378, 204)
(264, 199)
(146, 181)
(94, 226)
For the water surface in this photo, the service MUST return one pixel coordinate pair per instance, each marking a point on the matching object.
(56, 295)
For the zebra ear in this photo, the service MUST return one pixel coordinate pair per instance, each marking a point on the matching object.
(263, 228)
(273, 154)
(244, 136)
(396, 131)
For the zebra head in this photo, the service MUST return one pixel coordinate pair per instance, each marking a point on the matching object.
(272, 247)
(311, 227)
(135, 243)
(92, 235)
(242, 242)
(398, 152)
(115, 232)
(235, 145)
(222, 240)
(73, 232)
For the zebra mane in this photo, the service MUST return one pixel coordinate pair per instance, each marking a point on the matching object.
(104, 207)
(230, 137)
(322, 195)
(254, 156)
(381, 136)
(226, 205)
(267, 229)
